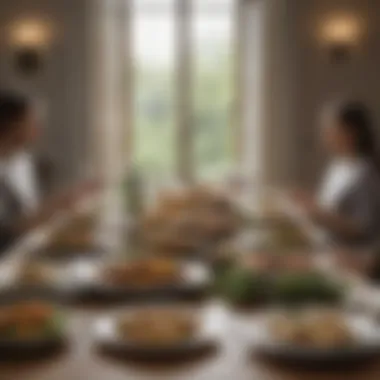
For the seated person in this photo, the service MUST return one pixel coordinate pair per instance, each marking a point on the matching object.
(20, 206)
(347, 207)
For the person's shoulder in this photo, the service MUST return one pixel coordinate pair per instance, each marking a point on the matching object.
(373, 171)
(20, 165)
(371, 176)
(21, 158)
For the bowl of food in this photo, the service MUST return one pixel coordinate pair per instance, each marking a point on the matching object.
(75, 238)
(285, 237)
(187, 222)
(316, 336)
(156, 332)
(142, 274)
(272, 263)
(34, 280)
(30, 328)
(295, 288)
(158, 328)
(243, 287)
(149, 278)
(258, 280)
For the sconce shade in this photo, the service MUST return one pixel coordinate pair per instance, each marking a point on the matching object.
(28, 61)
(340, 35)
(340, 53)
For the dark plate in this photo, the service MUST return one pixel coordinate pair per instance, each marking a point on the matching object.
(33, 349)
(70, 253)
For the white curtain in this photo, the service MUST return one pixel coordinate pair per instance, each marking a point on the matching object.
(251, 95)
(108, 91)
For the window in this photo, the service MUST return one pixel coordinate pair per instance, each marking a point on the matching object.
(180, 89)
(183, 56)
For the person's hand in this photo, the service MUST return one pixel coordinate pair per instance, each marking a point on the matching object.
(85, 189)
(354, 262)
(305, 201)
(69, 198)
(91, 186)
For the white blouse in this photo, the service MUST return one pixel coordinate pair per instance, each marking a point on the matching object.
(18, 174)
(340, 176)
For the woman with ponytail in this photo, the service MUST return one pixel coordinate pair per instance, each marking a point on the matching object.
(348, 204)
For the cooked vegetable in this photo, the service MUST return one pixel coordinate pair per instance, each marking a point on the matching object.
(242, 286)
(29, 321)
(296, 288)
(55, 325)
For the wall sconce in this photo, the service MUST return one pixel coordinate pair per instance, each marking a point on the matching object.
(341, 34)
(29, 40)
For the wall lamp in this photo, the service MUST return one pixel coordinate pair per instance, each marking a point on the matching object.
(29, 40)
(341, 34)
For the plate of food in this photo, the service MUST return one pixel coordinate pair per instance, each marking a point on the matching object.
(296, 288)
(315, 336)
(157, 332)
(144, 279)
(34, 279)
(187, 222)
(174, 238)
(78, 238)
(286, 237)
(269, 262)
(30, 328)
(258, 280)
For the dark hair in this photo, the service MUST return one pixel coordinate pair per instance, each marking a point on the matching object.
(13, 108)
(356, 119)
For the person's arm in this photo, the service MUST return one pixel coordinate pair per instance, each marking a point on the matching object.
(12, 230)
(362, 261)
(65, 200)
(347, 226)
(7, 237)
(357, 221)
(360, 218)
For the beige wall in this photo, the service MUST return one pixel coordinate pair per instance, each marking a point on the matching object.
(278, 92)
(298, 80)
(63, 83)
(317, 80)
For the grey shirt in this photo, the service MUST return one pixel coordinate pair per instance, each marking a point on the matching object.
(361, 203)
(18, 194)
(10, 210)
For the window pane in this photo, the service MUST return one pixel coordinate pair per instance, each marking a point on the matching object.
(213, 90)
(153, 52)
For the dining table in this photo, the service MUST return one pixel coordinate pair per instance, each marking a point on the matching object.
(232, 356)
